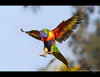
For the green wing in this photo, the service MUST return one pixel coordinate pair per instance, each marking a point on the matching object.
(58, 55)
(33, 33)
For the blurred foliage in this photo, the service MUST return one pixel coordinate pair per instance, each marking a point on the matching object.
(48, 65)
(34, 8)
(87, 44)
(60, 66)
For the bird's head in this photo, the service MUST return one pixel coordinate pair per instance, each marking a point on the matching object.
(43, 34)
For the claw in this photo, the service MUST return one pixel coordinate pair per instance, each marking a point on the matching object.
(50, 52)
(45, 52)
(43, 56)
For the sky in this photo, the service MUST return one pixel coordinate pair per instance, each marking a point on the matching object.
(19, 51)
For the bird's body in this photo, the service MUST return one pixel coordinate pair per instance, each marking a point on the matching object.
(51, 47)
(59, 34)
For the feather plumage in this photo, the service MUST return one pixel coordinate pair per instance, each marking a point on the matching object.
(33, 33)
(65, 28)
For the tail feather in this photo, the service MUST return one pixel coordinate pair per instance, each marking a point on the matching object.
(61, 58)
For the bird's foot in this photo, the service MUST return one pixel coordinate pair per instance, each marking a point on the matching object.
(50, 52)
(43, 55)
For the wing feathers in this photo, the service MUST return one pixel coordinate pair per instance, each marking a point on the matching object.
(65, 28)
(33, 33)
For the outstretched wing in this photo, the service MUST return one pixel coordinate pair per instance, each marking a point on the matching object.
(33, 33)
(65, 28)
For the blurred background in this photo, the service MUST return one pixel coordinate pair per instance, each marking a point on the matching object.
(20, 52)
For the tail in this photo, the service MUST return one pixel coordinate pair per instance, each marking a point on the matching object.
(61, 58)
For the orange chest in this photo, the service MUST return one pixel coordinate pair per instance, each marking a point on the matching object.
(50, 36)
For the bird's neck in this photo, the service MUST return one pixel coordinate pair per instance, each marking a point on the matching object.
(50, 36)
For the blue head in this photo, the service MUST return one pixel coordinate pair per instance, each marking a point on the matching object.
(43, 34)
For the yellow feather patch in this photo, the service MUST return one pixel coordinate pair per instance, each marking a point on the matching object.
(68, 27)
(50, 36)
(35, 35)
(32, 34)
(74, 22)
(65, 29)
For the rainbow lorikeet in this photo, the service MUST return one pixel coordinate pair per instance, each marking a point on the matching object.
(59, 34)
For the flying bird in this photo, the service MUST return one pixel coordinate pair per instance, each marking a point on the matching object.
(59, 34)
